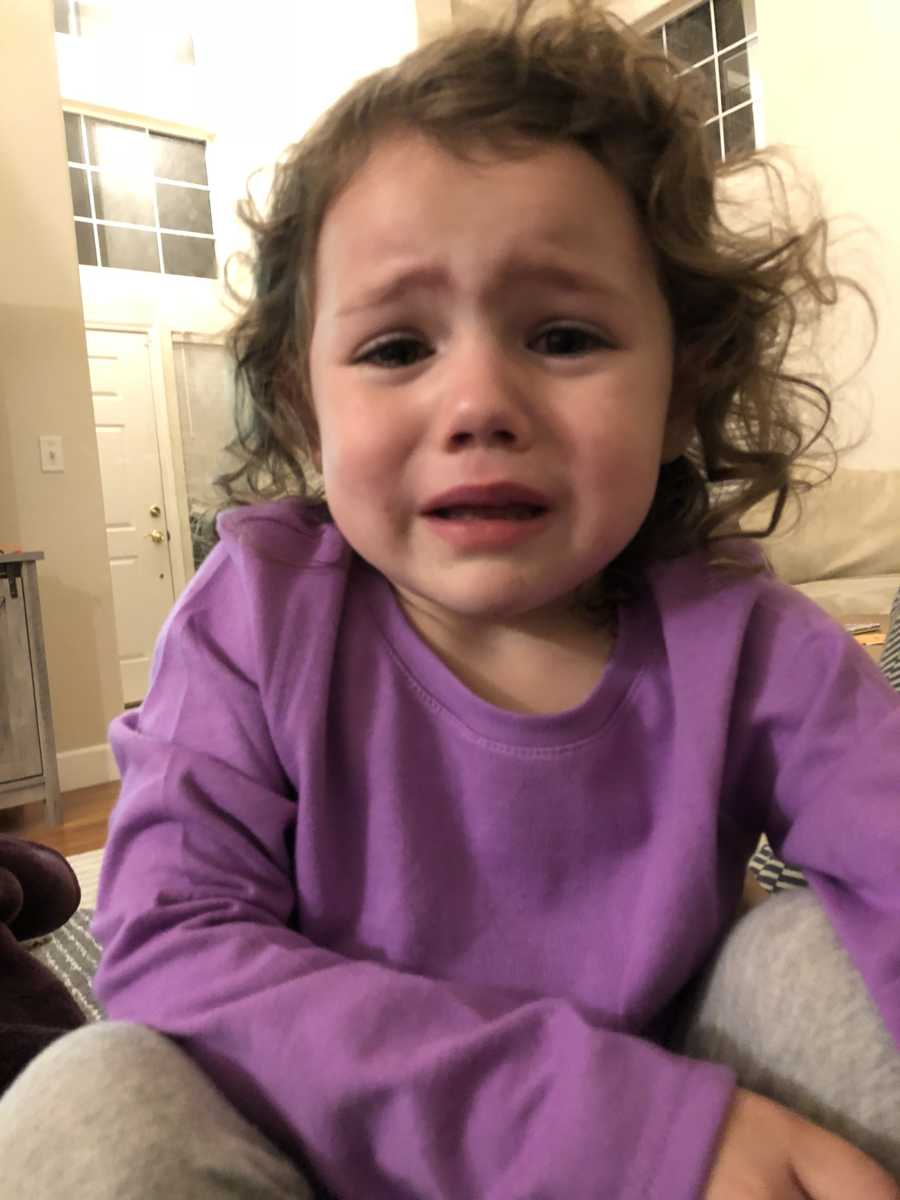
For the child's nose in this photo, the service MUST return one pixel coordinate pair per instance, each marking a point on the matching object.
(486, 402)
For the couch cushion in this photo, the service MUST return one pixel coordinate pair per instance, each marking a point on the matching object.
(846, 527)
(852, 598)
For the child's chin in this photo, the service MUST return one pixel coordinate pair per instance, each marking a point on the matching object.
(496, 603)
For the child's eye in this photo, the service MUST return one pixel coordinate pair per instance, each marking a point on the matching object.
(396, 352)
(568, 341)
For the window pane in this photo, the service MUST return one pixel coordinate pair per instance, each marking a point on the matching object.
(134, 249)
(183, 208)
(740, 136)
(734, 70)
(707, 77)
(730, 27)
(189, 255)
(655, 38)
(74, 144)
(118, 147)
(118, 198)
(61, 16)
(84, 238)
(204, 377)
(178, 158)
(715, 145)
(690, 37)
(81, 200)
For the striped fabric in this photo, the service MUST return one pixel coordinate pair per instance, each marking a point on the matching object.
(890, 658)
(771, 873)
(72, 954)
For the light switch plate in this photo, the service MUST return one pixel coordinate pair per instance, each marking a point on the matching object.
(52, 452)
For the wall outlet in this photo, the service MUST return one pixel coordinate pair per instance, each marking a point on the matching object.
(52, 452)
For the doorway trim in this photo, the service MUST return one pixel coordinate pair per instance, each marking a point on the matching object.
(168, 440)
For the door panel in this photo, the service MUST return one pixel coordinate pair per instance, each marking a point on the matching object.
(136, 526)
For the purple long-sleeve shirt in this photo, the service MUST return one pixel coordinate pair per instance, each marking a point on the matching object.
(424, 942)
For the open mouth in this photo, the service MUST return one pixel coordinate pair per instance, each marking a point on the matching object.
(489, 512)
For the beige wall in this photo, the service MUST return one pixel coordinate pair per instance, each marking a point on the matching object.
(433, 18)
(44, 387)
(828, 78)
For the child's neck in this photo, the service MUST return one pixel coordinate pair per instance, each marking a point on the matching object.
(528, 665)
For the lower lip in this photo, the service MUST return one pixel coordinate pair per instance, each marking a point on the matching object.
(482, 533)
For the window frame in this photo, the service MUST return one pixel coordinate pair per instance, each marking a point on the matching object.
(90, 170)
(655, 26)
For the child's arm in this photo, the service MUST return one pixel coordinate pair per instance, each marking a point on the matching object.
(826, 773)
(393, 1084)
(826, 776)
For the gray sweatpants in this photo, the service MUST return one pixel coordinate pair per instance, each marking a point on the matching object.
(115, 1112)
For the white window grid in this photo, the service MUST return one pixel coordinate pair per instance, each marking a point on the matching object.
(749, 43)
(96, 222)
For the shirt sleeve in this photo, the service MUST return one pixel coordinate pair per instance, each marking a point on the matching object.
(827, 759)
(388, 1083)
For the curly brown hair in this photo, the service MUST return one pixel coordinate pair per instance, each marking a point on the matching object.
(736, 298)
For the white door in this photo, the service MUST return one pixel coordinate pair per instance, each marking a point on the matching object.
(137, 532)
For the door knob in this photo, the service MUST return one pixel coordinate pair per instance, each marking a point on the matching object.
(156, 535)
(155, 510)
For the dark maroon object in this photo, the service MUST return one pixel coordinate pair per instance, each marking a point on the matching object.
(38, 893)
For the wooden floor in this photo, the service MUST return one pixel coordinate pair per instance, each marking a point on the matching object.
(85, 816)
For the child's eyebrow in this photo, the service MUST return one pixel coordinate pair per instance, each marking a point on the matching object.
(517, 272)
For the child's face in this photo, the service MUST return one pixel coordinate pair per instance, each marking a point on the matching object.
(496, 327)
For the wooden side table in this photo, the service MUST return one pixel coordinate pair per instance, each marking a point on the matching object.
(27, 745)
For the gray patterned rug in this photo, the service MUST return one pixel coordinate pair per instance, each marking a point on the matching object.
(72, 954)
